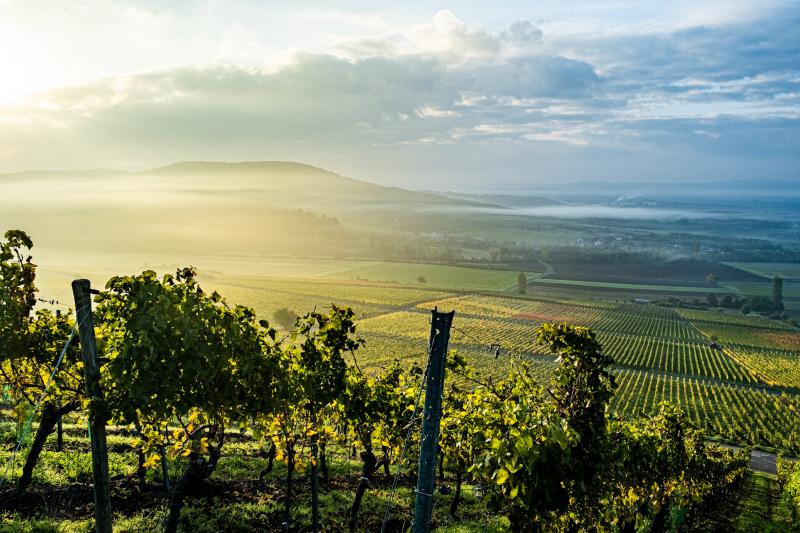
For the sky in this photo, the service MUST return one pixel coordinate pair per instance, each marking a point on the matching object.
(459, 95)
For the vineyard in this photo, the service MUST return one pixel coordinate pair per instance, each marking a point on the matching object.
(559, 414)
(757, 361)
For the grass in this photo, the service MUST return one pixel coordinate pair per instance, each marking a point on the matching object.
(233, 500)
(760, 506)
(791, 289)
(440, 276)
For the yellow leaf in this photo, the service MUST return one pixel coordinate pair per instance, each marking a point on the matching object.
(502, 476)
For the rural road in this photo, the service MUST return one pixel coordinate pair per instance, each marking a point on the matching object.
(763, 462)
(760, 461)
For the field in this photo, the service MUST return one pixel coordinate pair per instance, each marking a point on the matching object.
(435, 275)
(791, 289)
(789, 271)
(744, 390)
(632, 286)
(57, 268)
(683, 272)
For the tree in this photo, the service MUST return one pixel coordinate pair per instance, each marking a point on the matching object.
(30, 349)
(712, 278)
(180, 355)
(522, 283)
(285, 318)
(777, 293)
(421, 280)
(712, 300)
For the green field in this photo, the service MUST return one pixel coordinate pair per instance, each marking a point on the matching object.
(770, 270)
(58, 268)
(442, 276)
(791, 289)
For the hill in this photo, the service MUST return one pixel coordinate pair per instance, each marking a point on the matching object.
(299, 185)
(267, 207)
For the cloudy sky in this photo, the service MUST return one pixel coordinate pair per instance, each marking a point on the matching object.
(469, 95)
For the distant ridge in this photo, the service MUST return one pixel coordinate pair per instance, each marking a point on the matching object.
(288, 183)
(90, 172)
(230, 166)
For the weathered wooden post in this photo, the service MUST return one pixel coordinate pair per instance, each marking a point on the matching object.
(434, 387)
(81, 289)
(60, 423)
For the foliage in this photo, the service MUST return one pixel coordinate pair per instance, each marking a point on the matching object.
(30, 348)
(375, 410)
(176, 351)
(522, 283)
(179, 354)
(581, 390)
(661, 461)
(524, 449)
(789, 479)
(31, 342)
(777, 293)
(312, 380)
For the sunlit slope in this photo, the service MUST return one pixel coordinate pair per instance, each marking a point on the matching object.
(282, 184)
(211, 208)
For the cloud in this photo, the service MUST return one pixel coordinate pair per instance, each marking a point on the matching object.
(365, 20)
(446, 100)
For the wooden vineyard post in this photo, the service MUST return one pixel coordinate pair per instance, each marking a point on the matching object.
(60, 423)
(432, 415)
(97, 419)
